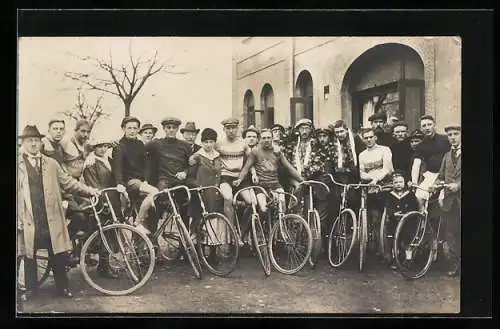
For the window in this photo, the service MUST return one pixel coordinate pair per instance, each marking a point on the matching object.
(265, 116)
(249, 108)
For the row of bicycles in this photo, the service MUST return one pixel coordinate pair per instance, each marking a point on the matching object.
(287, 238)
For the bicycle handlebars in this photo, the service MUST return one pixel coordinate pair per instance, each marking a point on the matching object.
(249, 188)
(202, 188)
(95, 200)
(172, 189)
(314, 182)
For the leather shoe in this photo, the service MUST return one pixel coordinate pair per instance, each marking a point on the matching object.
(66, 293)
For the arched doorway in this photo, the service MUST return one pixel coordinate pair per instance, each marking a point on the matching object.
(249, 108)
(388, 78)
(265, 116)
(302, 103)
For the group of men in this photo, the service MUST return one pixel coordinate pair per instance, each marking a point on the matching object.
(144, 165)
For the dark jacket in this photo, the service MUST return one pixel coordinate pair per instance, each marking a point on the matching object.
(167, 157)
(129, 160)
(450, 173)
(402, 157)
(98, 175)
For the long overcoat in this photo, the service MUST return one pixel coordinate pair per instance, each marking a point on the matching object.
(54, 178)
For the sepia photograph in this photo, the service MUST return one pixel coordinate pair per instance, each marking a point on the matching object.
(239, 175)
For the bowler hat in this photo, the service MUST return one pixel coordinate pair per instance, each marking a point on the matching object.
(304, 121)
(378, 116)
(130, 119)
(170, 120)
(31, 131)
(250, 128)
(190, 126)
(148, 126)
(230, 122)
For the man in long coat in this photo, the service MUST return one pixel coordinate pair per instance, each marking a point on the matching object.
(450, 198)
(41, 223)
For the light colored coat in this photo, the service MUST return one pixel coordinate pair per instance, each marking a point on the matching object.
(54, 178)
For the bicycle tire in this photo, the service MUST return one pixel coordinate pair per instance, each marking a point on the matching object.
(346, 218)
(363, 237)
(427, 256)
(259, 239)
(169, 243)
(42, 267)
(233, 237)
(118, 227)
(275, 234)
(384, 240)
(315, 226)
(189, 247)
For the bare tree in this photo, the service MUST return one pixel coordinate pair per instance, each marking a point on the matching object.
(123, 81)
(83, 110)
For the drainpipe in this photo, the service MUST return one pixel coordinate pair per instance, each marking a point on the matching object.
(292, 74)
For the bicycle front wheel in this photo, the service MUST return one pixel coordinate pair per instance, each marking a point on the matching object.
(415, 244)
(189, 247)
(290, 244)
(342, 237)
(217, 245)
(259, 239)
(363, 237)
(119, 261)
(385, 237)
(315, 226)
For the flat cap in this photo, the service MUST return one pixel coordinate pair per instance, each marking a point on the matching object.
(250, 128)
(323, 130)
(417, 134)
(452, 127)
(304, 121)
(147, 126)
(170, 120)
(378, 116)
(230, 122)
(130, 119)
(277, 126)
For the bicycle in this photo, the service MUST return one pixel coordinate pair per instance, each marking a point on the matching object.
(416, 241)
(258, 234)
(286, 249)
(178, 234)
(313, 219)
(217, 235)
(112, 243)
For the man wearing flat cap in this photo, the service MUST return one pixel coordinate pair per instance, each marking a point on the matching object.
(41, 222)
(189, 133)
(251, 136)
(233, 151)
(168, 167)
(450, 173)
(378, 121)
(429, 153)
(147, 132)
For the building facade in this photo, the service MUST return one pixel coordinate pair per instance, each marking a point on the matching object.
(281, 80)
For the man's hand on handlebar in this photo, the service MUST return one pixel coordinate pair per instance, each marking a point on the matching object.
(181, 175)
(452, 187)
(237, 182)
(120, 188)
(255, 179)
(94, 192)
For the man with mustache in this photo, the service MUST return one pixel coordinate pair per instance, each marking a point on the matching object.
(378, 121)
(402, 154)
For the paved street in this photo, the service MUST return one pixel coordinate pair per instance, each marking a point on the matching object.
(322, 290)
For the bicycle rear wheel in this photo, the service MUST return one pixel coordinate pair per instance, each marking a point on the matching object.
(315, 226)
(124, 260)
(290, 244)
(363, 237)
(189, 247)
(415, 244)
(385, 237)
(169, 243)
(217, 244)
(342, 237)
(259, 239)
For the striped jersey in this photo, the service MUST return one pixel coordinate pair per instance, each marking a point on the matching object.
(232, 155)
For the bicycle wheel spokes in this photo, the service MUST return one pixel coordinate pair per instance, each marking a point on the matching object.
(169, 243)
(414, 245)
(342, 237)
(261, 245)
(120, 263)
(218, 244)
(189, 247)
(315, 226)
(290, 244)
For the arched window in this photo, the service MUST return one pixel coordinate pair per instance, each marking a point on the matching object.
(302, 103)
(264, 117)
(249, 108)
(386, 78)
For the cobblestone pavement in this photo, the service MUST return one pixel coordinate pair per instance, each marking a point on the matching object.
(321, 290)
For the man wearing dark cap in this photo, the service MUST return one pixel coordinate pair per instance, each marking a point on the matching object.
(378, 121)
(450, 173)
(147, 132)
(251, 136)
(130, 163)
(402, 154)
(169, 164)
(41, 223)
(430, 152)
(189, 133)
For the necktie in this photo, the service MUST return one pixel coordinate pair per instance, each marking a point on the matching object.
(454, 156)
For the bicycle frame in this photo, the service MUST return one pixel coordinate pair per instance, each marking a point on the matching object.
(310, 184)
(253, 204)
